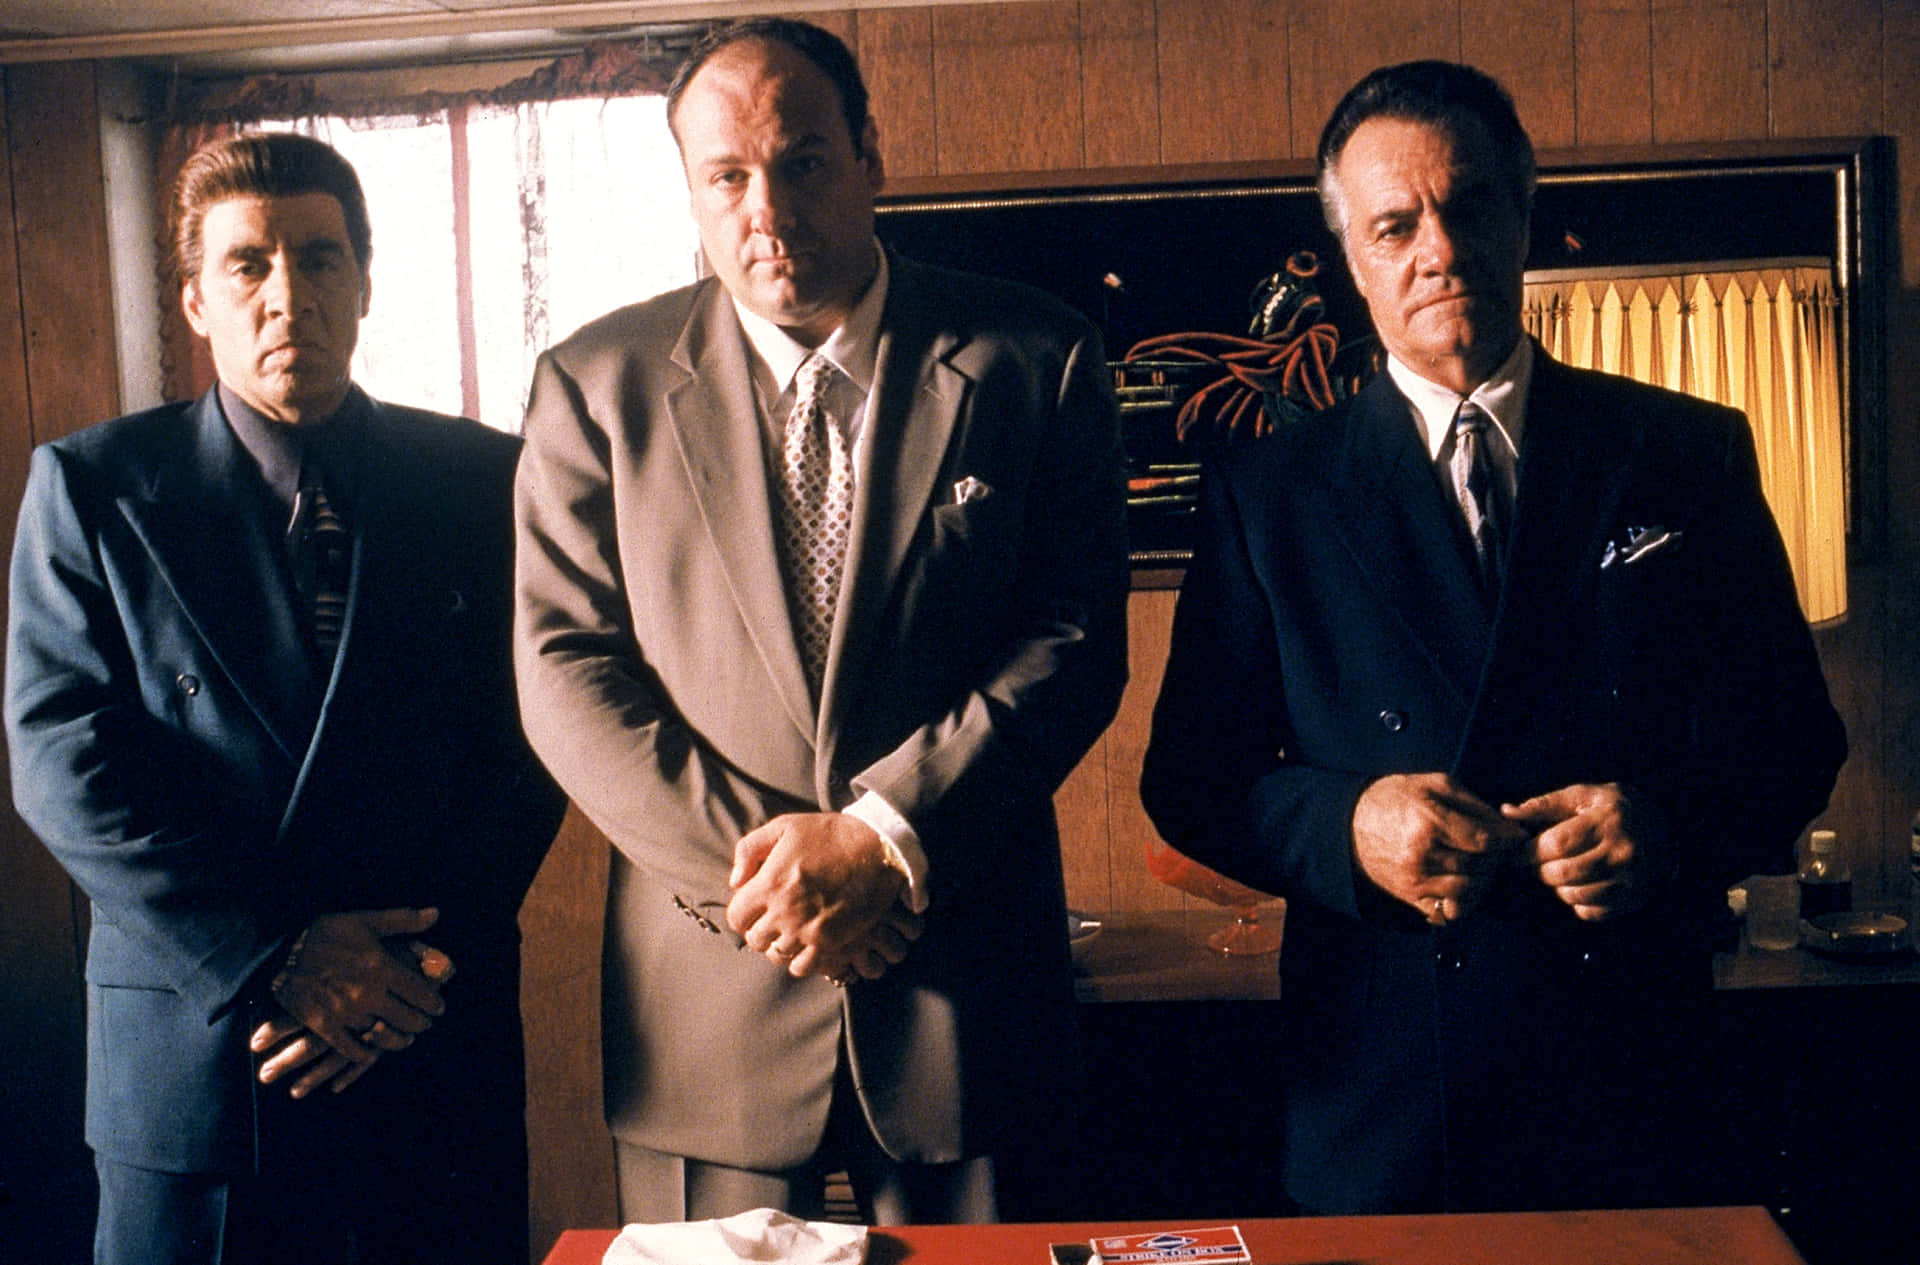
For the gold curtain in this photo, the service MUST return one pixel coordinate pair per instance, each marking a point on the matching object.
(1761, 337)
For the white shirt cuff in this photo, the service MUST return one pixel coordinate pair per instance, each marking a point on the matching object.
(902, 843)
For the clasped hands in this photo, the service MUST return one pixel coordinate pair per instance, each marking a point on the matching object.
(814, 894)
(347, 997)
(1430, 843)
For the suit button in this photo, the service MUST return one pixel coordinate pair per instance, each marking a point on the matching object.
(1393, 721)
(188, 683)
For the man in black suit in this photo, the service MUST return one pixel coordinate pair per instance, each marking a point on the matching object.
(259, 703)
(1496, 673)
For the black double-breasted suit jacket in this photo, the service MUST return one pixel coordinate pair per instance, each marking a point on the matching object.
(213, 786)
(1331, 631)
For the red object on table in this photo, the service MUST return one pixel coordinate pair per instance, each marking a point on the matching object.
(1656, 1236)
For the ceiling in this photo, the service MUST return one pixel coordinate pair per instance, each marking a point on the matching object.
(309, 34)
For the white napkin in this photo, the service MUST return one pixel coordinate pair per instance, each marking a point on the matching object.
(760, 1235)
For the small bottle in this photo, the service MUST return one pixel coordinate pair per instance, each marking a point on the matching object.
(1913, 850)
(1826, 886)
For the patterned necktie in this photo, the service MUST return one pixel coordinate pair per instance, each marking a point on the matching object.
(1476, 484)
(816, 502)
(322, 552)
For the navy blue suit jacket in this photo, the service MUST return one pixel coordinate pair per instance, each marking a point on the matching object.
(213, 791)
(1330, 632)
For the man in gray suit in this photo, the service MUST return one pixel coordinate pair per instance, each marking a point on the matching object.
(821, 593)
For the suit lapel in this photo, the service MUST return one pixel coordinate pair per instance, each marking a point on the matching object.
(912, 413)
(1571, 479)
(204, 525)
(1569, 472)
(716, 422)
(1396, 524)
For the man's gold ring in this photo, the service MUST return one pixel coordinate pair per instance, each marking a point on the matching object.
(1437, 916)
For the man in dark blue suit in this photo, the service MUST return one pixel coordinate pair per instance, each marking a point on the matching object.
(259, 704)
(1496, 673)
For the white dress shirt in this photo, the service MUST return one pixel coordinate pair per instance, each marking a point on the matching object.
(775, 357)
(1502, 397)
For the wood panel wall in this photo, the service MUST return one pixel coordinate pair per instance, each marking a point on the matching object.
(1041, 85)
(57, 373)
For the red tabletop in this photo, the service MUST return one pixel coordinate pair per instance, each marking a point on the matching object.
(1664, 1236)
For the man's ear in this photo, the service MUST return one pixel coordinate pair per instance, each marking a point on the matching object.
(191, 305)
(366, 293)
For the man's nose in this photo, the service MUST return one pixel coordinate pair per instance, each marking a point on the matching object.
(286, 292)
(1437, 247)
(769, 205)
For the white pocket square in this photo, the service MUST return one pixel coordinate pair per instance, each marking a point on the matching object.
(1639, 544)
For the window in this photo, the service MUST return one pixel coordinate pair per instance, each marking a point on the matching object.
(499, 229)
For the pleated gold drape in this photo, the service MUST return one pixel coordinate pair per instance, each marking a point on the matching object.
(1761, 337)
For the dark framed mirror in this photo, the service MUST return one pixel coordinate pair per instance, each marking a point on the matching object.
(1149, 253)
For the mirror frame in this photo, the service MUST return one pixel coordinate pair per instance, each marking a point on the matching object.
(1857, 170)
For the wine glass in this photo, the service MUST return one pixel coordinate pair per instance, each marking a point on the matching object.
(1247, 935)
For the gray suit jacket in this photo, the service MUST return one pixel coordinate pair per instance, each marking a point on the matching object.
(979, 651)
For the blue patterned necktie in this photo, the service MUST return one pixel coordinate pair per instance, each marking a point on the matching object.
(816, 502)
(1476, 484)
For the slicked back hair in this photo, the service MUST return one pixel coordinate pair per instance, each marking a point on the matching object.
(1445, 95)
(266, 165)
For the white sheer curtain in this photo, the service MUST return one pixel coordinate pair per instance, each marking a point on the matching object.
(498, 230)
(1759, 336)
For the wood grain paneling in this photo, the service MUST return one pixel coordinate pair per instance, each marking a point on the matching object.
(1613, 72)
(1709, 69)
(1106, 861)
(56, 373)
(896, 58)
(1120, 97)
(16, 419)
(1823, 67)
(1528, 46)
(1334, 43)
(1086, 834)
(978, 51)
(570, 1152)
(1900, 118)
(1890, 662)
(1850, 655)
(1149, 630)
(66, 293)
(1223, 81)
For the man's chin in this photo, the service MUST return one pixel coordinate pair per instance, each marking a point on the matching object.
(1468, 337)
(298, 399)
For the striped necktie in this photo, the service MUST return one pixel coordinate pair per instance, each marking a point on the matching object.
(1476, 484)
(322, 551)
(816, 503)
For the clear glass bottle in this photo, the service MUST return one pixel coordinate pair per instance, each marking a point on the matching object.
(1826, 885)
